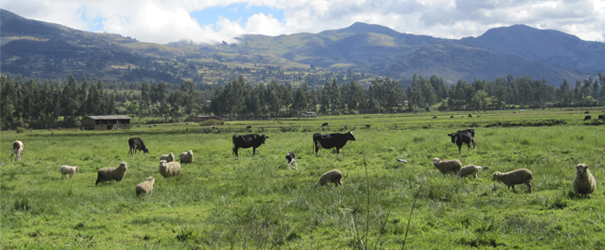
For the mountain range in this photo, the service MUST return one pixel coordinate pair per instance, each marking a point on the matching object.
(32, 48)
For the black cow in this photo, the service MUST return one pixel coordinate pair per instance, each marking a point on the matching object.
(588, 117)
(291, 157)
(331, 140)
(246, 141)
(324, 124)
(602, 117)
(135, 144)
(586, 112)
(465, 136)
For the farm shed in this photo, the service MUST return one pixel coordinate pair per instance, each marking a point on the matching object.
(105, 122)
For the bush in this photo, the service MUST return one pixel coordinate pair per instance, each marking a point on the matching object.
(20, 129)
(211, 122)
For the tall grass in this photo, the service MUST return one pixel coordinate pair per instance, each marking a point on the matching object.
(223, 201)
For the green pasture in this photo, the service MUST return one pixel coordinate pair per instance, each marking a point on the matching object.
(254, 202)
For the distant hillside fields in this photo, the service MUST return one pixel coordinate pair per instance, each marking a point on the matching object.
(223, 201)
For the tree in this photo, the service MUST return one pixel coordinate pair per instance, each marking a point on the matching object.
(145, 98)
(481, 100)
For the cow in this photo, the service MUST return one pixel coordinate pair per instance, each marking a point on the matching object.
(470, 115)
(602, 117)
(246, 141)
(331, 140)
(324, 124)
(135, 144)
(434, 117)
(586, 112)
(291, 157)
(588, 117)
(18, 149)
(465, 136)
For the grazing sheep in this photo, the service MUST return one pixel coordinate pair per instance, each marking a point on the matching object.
(65, 170)
(584, 183)
(447, 166)
(332, 176)
(186, 157)
(169, 169)
(469, 170)
(145, 187)
(168, 157)
(18, 149)
(512, 178)
(111, 173)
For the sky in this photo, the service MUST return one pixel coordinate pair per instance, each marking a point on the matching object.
(210, 21)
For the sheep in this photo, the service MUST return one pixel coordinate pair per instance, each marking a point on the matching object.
(168, 157)
(65, 170)
(186, 157)
(145, 187)
(111, 173)
(168, 169)
(332, 176)
(447, 166)
(512, 178)
(584, 183)
(470, 170)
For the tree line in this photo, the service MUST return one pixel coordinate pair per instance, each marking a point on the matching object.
(50, 104)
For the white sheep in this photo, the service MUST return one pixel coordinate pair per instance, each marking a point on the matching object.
(111, 173)
(168, 169)
(186, 157)
(469, 170)
(584, 183)
(512, 178)
(447, 166)
(168, 157)
(68, 170)
(145, 187)
(332, 176)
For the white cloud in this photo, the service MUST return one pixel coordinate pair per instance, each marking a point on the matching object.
(166, 21)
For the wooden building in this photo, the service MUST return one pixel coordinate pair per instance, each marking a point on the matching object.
(106, 122)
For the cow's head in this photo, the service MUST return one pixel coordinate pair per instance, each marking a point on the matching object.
(454, 136)
(146, 150)
(350, 136)
(263, 137)
(436, 161)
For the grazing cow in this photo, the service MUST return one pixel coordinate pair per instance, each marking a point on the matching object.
(453, 116)
(465, 136)
(434, 117)
(249, 127)
(586, 112)
(470, 115)
(588, 117)
(135, 144)
(331, 140)
(291, 157)
(246, 141)
(18, 148)
(602, 117)
(324, 124)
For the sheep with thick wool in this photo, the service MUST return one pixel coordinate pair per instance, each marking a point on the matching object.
(169, 169)
(186, 157)
(68, 170)
(111, 173)
(145, 187)
(168, 157)
(512, 178)
(447, 166)
(469, 170)
(332, 176)
(584, 183)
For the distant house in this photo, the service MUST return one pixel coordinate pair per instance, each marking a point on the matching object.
(309, 114)
(106, 122)
(201, 118)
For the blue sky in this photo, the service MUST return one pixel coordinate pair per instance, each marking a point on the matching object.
(210, 21)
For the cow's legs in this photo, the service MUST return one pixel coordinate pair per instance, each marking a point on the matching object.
(235, 151)
(253, 151)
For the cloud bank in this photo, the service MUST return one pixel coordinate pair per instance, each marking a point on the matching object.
(161, 21)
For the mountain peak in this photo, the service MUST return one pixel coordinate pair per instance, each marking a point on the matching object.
(359, 27)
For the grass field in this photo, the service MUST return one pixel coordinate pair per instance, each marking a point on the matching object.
(222, 201)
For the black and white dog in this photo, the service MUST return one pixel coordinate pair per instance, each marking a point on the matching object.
(291, 157)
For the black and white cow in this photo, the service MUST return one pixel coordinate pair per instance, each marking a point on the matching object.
(331, 140)
(18, 149)
(247, 141)
(135, 144)
(465, 136)
(588, 117)
(291, 157)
